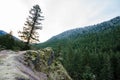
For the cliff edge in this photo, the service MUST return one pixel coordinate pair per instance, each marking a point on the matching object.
(31, 65)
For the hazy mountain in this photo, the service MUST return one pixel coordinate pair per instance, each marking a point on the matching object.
(88, 29)
(2, 32)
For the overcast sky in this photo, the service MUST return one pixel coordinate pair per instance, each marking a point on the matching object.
(60, 15)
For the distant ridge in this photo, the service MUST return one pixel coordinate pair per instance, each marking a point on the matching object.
(93, 28)
(2, 32)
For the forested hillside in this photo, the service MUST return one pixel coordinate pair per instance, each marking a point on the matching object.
(90, 53)
(2, 32)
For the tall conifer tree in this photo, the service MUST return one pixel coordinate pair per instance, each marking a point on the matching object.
(33, 23)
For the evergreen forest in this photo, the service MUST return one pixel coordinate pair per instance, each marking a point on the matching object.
(93, 54)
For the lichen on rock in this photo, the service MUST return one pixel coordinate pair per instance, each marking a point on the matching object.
(31, 65)
(43, 60)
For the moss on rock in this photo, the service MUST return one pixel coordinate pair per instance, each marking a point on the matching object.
(43, 60)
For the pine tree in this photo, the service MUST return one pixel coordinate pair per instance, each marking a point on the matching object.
(33, 23)
(7, 41)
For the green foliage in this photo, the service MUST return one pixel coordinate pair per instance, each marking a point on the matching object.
(8, 42)
(91, 56)
(33, 23)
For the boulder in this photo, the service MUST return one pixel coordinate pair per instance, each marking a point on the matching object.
(43, 60)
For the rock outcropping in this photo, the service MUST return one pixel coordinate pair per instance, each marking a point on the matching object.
(31, 65)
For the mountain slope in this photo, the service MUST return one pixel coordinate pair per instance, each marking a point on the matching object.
(2, 32)
(90, 53)
(78, 32)
(89, 29)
